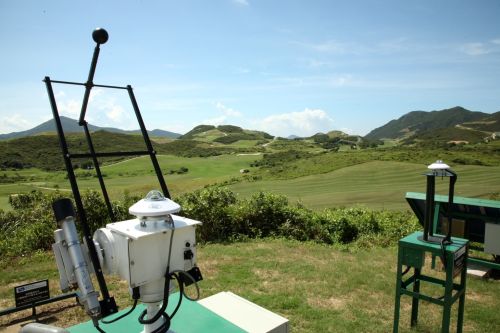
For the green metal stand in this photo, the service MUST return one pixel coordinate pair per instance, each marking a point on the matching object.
(411, 253)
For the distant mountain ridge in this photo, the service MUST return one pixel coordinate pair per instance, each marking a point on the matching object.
(417, 122)
(71, 126)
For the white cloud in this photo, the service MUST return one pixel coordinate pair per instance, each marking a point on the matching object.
(14, 123)
(227, 113)
(329, 46)
(69, 107)
(496, 41)
(242, 2)
(303, 123)
(474, 49)
(115, 113)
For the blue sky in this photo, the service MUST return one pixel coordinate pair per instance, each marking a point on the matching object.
(286, 67)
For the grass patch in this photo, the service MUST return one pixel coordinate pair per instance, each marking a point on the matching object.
(375, 184)
(318, 288)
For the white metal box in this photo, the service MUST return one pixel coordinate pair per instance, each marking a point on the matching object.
(492, 238)
(245, 314)
(138, 252)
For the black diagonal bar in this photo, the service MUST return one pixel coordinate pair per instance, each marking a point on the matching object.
(89, 84)
(98, 170)
(152, 152)
(79, 205)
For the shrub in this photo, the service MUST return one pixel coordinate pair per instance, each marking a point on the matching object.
(31, 224)
(211, 206)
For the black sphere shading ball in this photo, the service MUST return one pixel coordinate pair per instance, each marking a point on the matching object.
(100, 36)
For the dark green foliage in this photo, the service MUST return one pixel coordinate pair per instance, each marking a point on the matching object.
(490, 123)
(31, 224)
(265, 214)
(211, 206)
(230, 129)
(320, 137)
(441, 137)
(367, 143)
(43, 151)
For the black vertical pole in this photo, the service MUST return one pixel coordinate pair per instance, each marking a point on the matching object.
(429, 207)
(152, 152)
(98, 171)
(108, 305)
(451, 191)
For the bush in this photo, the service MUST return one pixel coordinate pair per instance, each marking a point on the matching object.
(211, 206)
(31, 224)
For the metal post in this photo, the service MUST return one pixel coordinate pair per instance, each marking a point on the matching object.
(399, 281)
(429, 206)
(152, 152)
(415, 300)
(453, 179)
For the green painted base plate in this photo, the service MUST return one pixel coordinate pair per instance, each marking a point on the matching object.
(191, 317)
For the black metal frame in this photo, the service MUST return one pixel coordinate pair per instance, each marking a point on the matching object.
(108, 304)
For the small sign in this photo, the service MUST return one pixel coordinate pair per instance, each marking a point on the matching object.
(31, 292)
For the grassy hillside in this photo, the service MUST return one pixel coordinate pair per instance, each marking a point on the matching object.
(43, 151)
(134, 175)
(374, 177)
(443, 136)
(376, 184)
(490, 123)
(417, 121)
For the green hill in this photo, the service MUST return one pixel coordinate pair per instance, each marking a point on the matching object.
(419, 121)
(43, 151)
(488, 124)
(224, 134)
(442, 136)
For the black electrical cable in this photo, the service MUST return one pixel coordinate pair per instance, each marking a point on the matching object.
(98, 328)
(163, 306)
(121, 316)
(135, 295)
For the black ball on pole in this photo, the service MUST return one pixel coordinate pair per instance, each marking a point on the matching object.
(100, 36)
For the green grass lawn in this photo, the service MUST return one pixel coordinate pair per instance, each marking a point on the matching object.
(136, 176)
(377, 185)
(318, 288)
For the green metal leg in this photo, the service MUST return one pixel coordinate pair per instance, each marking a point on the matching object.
(415, 300)
(397, 302)
(448, 291)
(461, 302)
